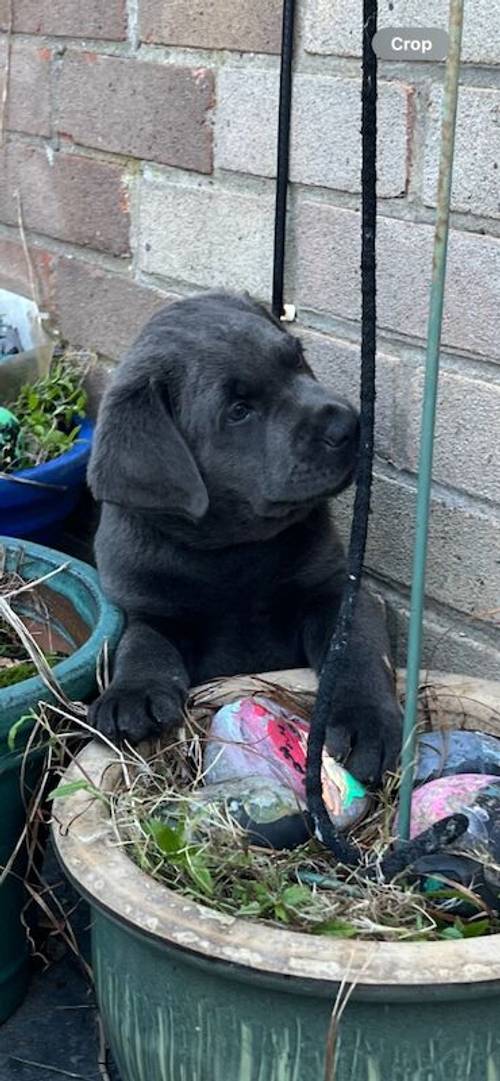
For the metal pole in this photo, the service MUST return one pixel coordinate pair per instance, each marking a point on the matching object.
(429, 410)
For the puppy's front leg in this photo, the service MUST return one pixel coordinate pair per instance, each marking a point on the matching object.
(148, 689)
(366, 716)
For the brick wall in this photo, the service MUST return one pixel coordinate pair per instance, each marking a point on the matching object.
(140, 135)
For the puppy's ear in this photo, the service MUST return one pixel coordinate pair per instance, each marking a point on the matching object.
(140, 460)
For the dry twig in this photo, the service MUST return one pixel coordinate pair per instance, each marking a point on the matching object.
(6, 86)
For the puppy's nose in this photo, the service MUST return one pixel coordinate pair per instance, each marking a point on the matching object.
(341, 427)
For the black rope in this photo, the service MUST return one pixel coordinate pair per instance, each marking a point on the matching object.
(449, 829)
(285, 107)
(337, 654)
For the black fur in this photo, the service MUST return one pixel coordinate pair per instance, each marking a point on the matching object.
(215, 455)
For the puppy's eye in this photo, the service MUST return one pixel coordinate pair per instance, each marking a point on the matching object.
(238, 411)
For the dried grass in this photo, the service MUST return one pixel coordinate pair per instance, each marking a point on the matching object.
(212, 860)
(214, 863)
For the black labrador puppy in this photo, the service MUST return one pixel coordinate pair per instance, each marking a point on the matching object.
(215, 456)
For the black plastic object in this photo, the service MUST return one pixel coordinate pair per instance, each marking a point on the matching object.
(455, 751)
(477, 865)
(441, 872)
(268, 811)
(10, 342)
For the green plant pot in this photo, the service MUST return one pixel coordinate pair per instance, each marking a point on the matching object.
(82, 619)
(188, 994)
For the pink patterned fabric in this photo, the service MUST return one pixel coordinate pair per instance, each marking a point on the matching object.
(445, 796)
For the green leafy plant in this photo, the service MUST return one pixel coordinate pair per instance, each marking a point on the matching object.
(46, 411)
(174, 844)
(19, 726)
(15, 666)
(16, 673)
(64, 790)
(466, 929)
(198, 849)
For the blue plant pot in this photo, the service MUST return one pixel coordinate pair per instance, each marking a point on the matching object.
(80, 614)
(33, 512)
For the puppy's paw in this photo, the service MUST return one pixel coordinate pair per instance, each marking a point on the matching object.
(135, 713)
(375, 738)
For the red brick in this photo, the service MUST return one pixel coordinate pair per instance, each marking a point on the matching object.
(14, 273)
(69, 197)
(152, 111)
(102, 311)
(103, 19)
(216, 24)
(28, 101)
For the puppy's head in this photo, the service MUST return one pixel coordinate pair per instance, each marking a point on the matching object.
(215, 406)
